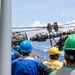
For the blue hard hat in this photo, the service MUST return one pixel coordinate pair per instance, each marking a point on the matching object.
(26, 46)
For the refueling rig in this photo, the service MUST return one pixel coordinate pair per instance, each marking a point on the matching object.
(54, 31)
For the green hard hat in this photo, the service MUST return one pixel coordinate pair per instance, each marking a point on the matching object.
(70, 43)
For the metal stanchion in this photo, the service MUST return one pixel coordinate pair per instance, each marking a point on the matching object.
(5, 37)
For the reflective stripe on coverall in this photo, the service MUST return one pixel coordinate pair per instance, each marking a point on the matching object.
(66, 70)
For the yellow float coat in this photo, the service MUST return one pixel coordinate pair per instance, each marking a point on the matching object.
(53, 64)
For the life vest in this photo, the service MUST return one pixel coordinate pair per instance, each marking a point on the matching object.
(66, 70)
(53, 64)
(25, 66)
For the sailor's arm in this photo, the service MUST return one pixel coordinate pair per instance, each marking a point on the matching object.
(44, 69)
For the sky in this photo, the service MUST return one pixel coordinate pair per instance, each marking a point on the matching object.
(40, 12)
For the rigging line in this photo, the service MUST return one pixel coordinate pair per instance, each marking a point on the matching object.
(46, 27)
(66, 26)
(41, 27)
(26, 27)
(30, 30)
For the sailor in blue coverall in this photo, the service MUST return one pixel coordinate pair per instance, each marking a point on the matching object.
(26, 65)
(14, 54)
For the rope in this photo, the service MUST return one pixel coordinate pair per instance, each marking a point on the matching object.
(40, 27)
(30, 30)
(26, 27)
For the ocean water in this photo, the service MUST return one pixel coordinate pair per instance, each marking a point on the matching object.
(42, 48)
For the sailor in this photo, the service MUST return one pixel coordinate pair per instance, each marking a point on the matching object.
(18, 48)
(54, 63)
(61, 41)
(14, 54)
(26, 65)
(69, 48)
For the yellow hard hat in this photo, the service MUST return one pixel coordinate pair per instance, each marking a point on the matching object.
(54, 50)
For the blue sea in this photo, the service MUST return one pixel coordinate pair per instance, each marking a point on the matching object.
(42, 48)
